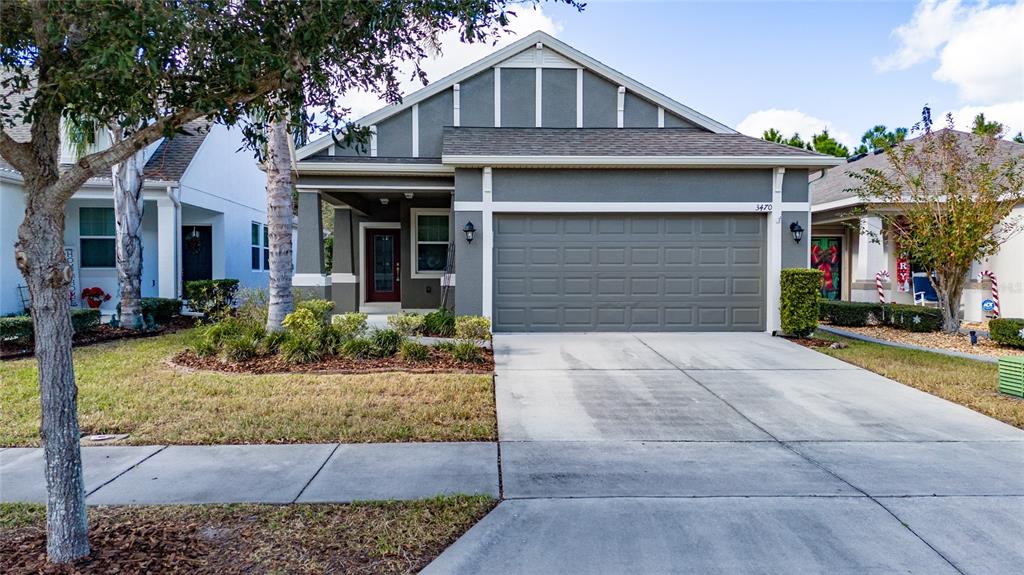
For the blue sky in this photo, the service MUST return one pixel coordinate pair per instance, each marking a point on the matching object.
(800, 65)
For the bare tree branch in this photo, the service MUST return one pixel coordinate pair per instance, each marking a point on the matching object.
(18, 154)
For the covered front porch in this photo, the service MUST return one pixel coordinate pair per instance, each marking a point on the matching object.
(389, 242)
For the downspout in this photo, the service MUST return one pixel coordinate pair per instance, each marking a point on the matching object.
(174, 193)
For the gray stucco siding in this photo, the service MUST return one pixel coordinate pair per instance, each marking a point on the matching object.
(795, 255)
(435, 113)
(341, 254)
(639, 113)
(375, 182)
(674, 121)
(469, 263)
(476, 100)
(419, 293)
(558, 98)
(524, 185)
(795, 187)
(394, 136)
(518, 97)
(468, 185)
(600, 99)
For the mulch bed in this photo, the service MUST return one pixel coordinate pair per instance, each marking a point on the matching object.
(810, 342)
(937, 340)
(100, 334)
(439, 362)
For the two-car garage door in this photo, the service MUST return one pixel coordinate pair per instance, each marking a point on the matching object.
(629, 272)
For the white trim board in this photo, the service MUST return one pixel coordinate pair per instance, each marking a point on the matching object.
(311, 280)
(631, 207)
(317, 187)
(373, 168)
(363, 226)
(497, 57)
(641, 161)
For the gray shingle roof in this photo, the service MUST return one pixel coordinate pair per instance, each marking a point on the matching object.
(685, 142)
(172, 158)
(837, 182)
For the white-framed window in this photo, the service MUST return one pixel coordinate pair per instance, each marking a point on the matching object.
(431, 234)
(259, 256)
(96, 237)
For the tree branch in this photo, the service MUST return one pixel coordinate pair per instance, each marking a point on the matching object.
(18, 154)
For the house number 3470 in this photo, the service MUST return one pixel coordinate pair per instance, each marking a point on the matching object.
(764, 207)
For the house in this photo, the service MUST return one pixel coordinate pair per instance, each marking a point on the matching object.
(204, 217)
(549, 192)
(851, 259)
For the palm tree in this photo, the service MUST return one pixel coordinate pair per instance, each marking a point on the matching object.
(984, 128)
(279, 223)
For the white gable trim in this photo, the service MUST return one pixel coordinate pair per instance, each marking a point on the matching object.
(498, 57)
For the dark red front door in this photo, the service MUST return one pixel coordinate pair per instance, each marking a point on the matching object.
(383, 265)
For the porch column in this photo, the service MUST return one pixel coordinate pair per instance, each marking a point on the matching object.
(309, 248)
(344, 279)
(168, 227)
(870, 260)
(773, 321)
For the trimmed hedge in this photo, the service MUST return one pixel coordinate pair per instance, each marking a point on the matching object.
(1007, 331)
(211, 297)
(912, 317)
(799, 300)
(849, 313)
(19, 328)
(160, 309)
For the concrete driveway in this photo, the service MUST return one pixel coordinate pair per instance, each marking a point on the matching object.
(735, 453)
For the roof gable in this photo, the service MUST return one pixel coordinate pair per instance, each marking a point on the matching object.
(523, 54)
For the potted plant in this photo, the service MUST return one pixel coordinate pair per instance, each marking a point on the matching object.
(95, 296)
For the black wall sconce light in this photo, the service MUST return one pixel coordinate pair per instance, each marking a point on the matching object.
(470, 232)
(797, 231)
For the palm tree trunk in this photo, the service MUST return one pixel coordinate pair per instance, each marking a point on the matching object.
(279, 224)
(128, 206)
(40, 257)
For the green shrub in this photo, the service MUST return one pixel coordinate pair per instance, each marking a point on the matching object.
(357, 348)
(467, 351)
(799, 300)
(849, 313)
(303, 322)
(272, 341)
(473, 328)
(252, 305)
(445, 346)
(1007, 331)
(16, 328)
(159, 310)
(301, 348)
(386, 342)
(414, 351)
(212, 298)
(84, 320)
(351, 324)
(320, 308)
(202, 347)
(244, 345)
(440, 323)
(407, 324)
(911, 317)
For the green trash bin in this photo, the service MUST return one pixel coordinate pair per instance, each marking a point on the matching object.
(1011, 376)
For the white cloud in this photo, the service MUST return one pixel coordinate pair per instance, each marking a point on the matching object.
(979, 47)
(1010, 114)
(455, 55)
(789, 122)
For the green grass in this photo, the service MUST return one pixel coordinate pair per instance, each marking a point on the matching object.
(973, 384)
(377, 537)
(129, 387)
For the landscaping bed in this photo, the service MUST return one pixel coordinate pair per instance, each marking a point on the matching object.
(970, 383)
(365, 538)
(128, 387)
(100, 334)
(936, 340)
(438, 361)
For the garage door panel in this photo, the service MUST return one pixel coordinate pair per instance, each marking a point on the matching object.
(643, 272)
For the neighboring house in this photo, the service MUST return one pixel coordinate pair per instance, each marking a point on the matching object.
(851, 259)
(599, 204)
(204, 218)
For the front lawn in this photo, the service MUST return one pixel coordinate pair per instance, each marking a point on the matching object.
(129, 387)
(386, 537)
(970, 383)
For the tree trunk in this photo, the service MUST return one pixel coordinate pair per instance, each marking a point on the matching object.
(40, 257)
(949, 287)
(128, 206)
(279, 224)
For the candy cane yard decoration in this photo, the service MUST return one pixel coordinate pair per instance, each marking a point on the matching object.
(995, 289)
(879, 277)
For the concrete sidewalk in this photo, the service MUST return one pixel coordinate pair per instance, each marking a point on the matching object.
(334, 473)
